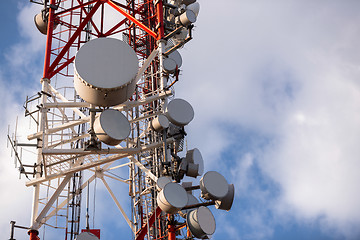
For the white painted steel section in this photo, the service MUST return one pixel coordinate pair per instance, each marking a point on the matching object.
(146, 64)
(60, 188)
(118, 205)
(42, 123)
(131, 104)
(143, 168)
(59, 128)
(58, 95)
(95, 163)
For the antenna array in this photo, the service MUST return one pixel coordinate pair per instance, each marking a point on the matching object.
(107, 107)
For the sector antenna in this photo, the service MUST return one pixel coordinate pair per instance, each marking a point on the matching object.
(107, 112)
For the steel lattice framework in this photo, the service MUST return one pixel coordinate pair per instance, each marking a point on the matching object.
(68, 158)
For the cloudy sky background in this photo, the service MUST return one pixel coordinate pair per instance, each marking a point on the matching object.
(276, 92)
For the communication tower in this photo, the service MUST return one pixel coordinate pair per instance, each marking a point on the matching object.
(107, 102)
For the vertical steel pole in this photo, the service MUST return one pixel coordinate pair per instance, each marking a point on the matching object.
(33, 234)
(44, 81)
(171, 232)
(51, 20)
(12, 223)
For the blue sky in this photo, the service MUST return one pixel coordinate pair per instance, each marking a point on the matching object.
(276, 92)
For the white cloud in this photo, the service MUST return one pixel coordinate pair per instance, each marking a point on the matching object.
(288, 72)
(16, 199)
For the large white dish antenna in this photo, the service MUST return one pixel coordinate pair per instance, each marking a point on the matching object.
(86, 236)
(172, 198)
(226, 202)
(213, 186)
(179, 112)
(111, 127)
(105, 71)
(201, 222)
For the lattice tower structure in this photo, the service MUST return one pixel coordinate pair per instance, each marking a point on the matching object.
(65, 150)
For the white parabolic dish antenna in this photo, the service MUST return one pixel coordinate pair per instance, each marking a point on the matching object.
(105, 71)
(213, 186)
(201, 222)
(172, 198)
(162, 181)
(111, 127)
(179, 112)
(194, 156)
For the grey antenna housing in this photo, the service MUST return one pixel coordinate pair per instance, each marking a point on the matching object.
(172, 198)
(226, 202)
(111, 127)
(180, 112)
(105, 71)
(201, 222)
(213, 186)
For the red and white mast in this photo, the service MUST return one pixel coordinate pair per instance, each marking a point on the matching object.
(72, 153)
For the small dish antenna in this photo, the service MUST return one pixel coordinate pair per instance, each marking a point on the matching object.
(111, 127)
(180, 112)
(213, 186)
(172, 198)
(159, 123)
(201, 222)
(226, 202)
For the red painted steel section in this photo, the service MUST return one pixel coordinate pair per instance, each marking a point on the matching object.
(33, 234)
(64, 65)
(74, 36)
(171, 230)
(160, 19)
(50, 30)
(76, 7)
(143, 230)
(150, 21)
(131, 18)
(111, 31)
